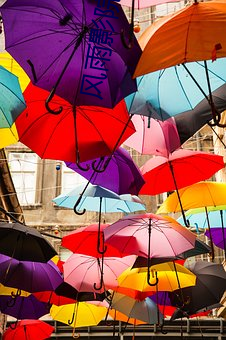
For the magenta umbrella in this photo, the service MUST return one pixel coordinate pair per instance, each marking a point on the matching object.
(83, 272)
(154, 137)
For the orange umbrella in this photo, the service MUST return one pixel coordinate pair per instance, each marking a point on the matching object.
(194, 33)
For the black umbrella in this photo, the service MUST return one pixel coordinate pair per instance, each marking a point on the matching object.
(24, 243)
(208, 291)
(200, 248)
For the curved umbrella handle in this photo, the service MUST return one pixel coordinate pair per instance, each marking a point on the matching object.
(101, 284)
(161, 329)
(13, 298)
(104, 167)
(48, 100)
(148, 279)
(75, 207)
(86, 168)
(13, 325)
(70, 322)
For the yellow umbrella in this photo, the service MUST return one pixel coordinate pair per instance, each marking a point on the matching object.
(79, 314)
(170, 276)
(8, 136)
(12, 291)
(11, 65)
(202, 194)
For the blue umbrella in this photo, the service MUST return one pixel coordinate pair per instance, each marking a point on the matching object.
(94, 196)
(168, 92)
(11, 98)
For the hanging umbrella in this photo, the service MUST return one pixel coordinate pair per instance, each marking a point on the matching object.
(132, 235)
(121, 175)
(170, 276)
(72, 49)
(84, 240)
(8, 136)
(199, 249)
(66, 290)
(182, 168)
(84, 272)
(23, 307)
(12, 101)
(209, 288)
(145, 310)
(52, 298)
(156, 89)
(77, 134)
(24, 243)
(156, 138)
(29, 329)
(190, 36)
(80, 314)
(218, 237)
(202, 194)
(7, 61)
(96, 195)
(29, 276)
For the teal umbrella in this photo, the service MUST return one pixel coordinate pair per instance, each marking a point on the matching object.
(11, 98)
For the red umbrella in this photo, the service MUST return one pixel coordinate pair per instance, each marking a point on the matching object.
(52, 298)
(84, 240)
(29, 329)
(182, 168)
(77, 134)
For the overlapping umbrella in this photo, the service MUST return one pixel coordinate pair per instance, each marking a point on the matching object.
(98, 68)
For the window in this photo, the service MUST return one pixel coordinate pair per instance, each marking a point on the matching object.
(23, 168)
(70, 179)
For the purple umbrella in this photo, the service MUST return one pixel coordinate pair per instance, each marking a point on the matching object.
(29, 276)
(121, 174)
(73, 48)
(218, 236)
(23, 307)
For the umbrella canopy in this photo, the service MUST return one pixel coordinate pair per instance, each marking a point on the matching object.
(209, 288)
(145, 310)
(8, 136)
(4, 290)
(7, 61)
(121, 175)
(23, 307)
(199, 248)
(96, 195)
(132, 235)
(84, 240)
(12, 102)
(154, 137)
(29, 329)
(74, 134)
(116, 315)
(24, 243)
(29, 276)
(194, 33)
(170, 276)
(156, 89)
(52, 298)
(80, 314)
(202, 194)
(72, 43)
(82, 271)
(182, 168)
(200, 218)
(218, 236)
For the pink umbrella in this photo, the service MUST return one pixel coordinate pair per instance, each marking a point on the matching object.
(131, 233)
(139, 4)
(83, 272)
(149, 235)
(160, 138)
